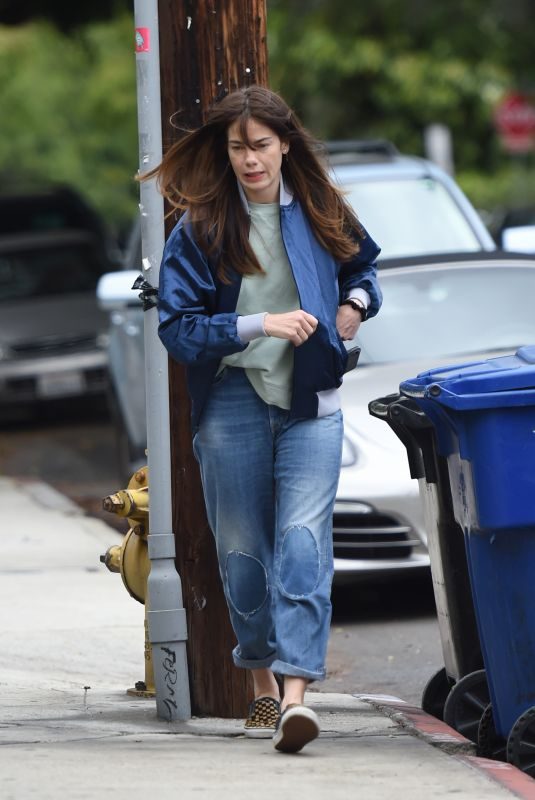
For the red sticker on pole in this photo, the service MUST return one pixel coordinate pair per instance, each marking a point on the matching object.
(142, 40)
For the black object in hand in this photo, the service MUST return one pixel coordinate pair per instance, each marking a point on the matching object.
(353, 354)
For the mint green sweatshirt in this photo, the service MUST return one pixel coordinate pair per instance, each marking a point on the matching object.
(268, 361)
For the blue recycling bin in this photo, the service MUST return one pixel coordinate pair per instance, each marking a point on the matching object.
(484, 419)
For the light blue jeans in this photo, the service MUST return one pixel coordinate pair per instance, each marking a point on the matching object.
(269, 487)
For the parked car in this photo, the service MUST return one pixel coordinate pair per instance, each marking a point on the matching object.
(436, 311)
(54, 209)
(53, 336)
(409, 205)
(126, 355)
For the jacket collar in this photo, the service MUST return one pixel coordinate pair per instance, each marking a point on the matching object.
(285, 196)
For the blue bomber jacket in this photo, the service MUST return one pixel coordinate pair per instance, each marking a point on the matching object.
(198, 312)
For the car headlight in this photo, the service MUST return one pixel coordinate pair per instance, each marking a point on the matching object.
(349, 453)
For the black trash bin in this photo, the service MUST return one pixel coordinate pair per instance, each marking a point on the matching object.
(458, 692)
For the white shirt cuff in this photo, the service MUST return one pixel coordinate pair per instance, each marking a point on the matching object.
(251, 326)
(360, 294)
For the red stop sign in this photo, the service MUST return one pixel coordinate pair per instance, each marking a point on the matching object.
(515, 121)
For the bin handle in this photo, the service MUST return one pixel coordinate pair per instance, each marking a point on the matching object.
(411, 416)
(379, 407)
(411, 426)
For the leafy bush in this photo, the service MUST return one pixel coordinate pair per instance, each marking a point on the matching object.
(70, 112)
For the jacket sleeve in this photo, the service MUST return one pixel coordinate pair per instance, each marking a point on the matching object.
(190, 328)
(361, 272)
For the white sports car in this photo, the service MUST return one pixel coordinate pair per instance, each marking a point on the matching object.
(437, 310)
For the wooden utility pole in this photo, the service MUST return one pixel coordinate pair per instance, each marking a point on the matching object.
(207, 49)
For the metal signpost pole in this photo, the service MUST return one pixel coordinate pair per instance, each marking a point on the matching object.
(166, 615)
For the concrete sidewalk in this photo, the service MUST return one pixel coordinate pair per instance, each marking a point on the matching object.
(71, 641)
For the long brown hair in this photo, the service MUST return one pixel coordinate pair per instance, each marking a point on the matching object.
(196, 174)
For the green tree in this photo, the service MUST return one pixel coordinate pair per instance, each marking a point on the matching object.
(389, 68)
(386, 69)
(70, 112)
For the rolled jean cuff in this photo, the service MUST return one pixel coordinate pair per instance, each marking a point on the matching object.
(251, 663)
(282, 668)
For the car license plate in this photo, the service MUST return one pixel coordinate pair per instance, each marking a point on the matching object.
(61, 384)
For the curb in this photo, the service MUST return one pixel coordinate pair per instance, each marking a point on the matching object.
(436, 733)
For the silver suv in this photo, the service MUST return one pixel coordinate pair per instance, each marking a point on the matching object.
(409, 205)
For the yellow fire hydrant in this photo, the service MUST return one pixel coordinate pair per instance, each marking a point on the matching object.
(131, 557)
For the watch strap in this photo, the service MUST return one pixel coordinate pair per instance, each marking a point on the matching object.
(356, 306)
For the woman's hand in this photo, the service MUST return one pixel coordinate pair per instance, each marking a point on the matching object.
(297, 326)
(348, 322)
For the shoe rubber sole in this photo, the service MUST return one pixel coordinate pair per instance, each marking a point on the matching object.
(259, 733)
(298, 726)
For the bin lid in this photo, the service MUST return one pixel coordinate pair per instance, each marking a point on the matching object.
(506, 380)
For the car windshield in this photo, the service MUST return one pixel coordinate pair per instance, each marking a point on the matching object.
(415, 216)
(448, 311)
(54, 270)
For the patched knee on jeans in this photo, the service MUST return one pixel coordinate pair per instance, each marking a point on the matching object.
(300, 562)
(247, 582)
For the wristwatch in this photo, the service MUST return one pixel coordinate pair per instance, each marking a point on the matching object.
(356, 306)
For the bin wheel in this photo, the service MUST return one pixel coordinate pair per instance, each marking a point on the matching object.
(489, 743)
(466, 703)
(435, 693)
(521, 743)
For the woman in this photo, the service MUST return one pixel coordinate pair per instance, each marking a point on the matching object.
(262, 278)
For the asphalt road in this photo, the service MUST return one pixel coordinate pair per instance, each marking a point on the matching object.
(384, 640)
(384, 636)
(69, 445)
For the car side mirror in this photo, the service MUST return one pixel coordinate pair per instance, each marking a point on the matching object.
(520, 239)
(114, 290)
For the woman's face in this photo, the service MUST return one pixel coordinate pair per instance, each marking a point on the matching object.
(257, 167)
